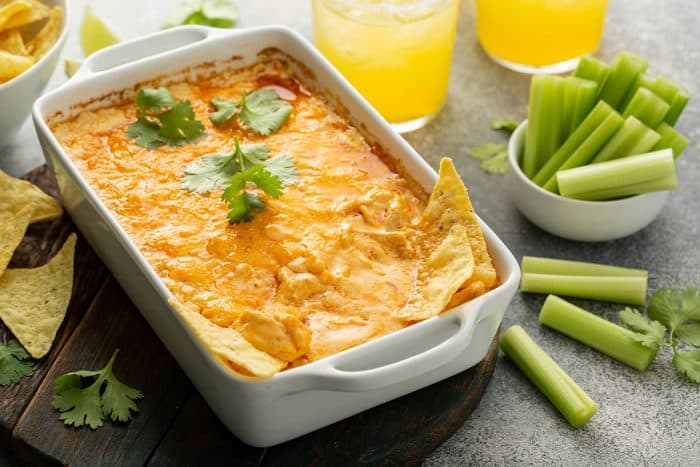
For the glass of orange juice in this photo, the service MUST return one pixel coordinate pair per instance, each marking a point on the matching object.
(397, 53)
(540, 36)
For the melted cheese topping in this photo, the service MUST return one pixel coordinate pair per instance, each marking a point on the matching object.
(335, 252)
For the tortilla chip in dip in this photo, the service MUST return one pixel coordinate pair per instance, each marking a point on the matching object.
(11, 234)
(33, 302)
(18, 193)
(228, 343)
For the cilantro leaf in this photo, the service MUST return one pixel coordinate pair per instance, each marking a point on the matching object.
(154, 100)
(486, 150)
(263, 111)
(242, 203)
(689, 332)
(505, 124)
(216, 13)
(647, 332)
(674, 307)
(88, 397)
(15, 363)
(214, 170)
(225, 110)
(498, 164)
(688, 364)
(162, 120)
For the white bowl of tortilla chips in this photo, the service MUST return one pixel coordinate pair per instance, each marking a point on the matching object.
(32, 34)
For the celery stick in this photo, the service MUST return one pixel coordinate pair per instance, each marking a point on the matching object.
(565, 267)
(561, 390)
(633, 138)
(667, 182)
(642, 80)
(596, 117)
(588, 149)
(620, 289)
(677, 105)
(670, 138)
(617, 173)
(543, 134)
(596, 332)
(649, 108)
(569, 90)
(583, 103)
(665, 88)
(622, 75)
(592, 69)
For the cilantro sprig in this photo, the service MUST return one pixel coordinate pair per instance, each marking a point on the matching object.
(494, 156)
(89, 397)
(248, 165)
(261, 111)
(15, 363)
(676, 312)
(163, 120)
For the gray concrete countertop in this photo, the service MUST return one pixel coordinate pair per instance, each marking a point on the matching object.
(644, 419)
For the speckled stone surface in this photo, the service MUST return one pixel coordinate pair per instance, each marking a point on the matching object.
(644, 419)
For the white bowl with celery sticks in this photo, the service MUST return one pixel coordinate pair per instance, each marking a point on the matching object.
(595, 160)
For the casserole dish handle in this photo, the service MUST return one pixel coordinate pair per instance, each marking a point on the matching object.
(338, 374)
(150, 45)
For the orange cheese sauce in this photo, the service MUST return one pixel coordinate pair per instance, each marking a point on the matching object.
(335, 250)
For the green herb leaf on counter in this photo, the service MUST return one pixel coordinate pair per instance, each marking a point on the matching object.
(216, 13)
(494, 156)
(215, 170)
(688, 364)
(675, 307)
(90, 397)
(647, 332)
(163, 120)
(15, 363)
(507, 124)
(261, 111)
(242, 202)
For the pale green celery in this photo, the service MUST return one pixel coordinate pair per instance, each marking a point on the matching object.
(594, 119)
(671, 139)
(616, 174)
(561, 390)
(665, 88)
(543, 134)
(649, 108)
(583, 103)
(565, 267)
(633, 138)
(569, 89)
(592, 330)
(588, 149)
(668, 182)
(677, 105)
(623, 73)
(631, 290)
(592, 69)
(642, 80)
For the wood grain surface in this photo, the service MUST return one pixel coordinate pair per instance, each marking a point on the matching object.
(174, 425)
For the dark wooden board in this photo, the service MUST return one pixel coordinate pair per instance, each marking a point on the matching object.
(174, 426)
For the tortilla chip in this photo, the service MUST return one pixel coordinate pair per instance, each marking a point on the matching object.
(12, 65)
(11, 41)
(18, 193)
(11, 234)
(48, 35)
(33, 302)
(449, 205)
(14, 13)
(228, 343)
(449, 266)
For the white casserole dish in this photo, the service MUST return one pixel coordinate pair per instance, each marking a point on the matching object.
(300, 400)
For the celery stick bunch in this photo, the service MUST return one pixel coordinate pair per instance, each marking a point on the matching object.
(603, 113)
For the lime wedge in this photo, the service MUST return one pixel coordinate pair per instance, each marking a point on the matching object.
(71, 66)
(94, 33)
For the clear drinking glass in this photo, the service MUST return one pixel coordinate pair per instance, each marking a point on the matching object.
(540, 36)
(397, 53)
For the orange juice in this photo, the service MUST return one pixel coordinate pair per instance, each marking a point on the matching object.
(540, 33)
(397, 53)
